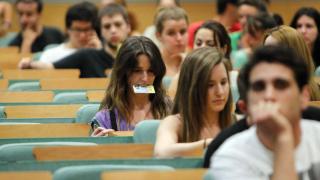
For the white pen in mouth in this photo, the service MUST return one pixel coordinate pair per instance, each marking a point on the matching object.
(143, 89)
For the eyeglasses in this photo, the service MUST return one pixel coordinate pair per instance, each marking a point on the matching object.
(78, 30)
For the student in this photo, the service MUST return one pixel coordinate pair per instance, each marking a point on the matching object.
(133, 21)
(307, 21)
(171, 30)
(280, 145)
(150, 31)
(202, 106)
(213, 34)
(33, 36)
(226, 15)
(80, 22)
(209, 34)
(115, 28)
(289, 37)
(254, 30)
(138, 64)
(246, 8)
(311, 112)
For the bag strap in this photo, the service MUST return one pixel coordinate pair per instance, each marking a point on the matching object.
(113, 119)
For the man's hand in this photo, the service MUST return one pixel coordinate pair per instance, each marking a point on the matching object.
(273, 124)
(29, 35)
(94, 41)
(275, 132)
(25, 63)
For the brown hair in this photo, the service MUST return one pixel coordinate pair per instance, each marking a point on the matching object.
(191, 97)
(118, 91)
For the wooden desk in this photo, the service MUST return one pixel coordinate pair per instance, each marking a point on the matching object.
(106, 151)
(96, 96)
(24, 96)
(3, 84)
(40, 73)
(184, 174)
(44, 130)
(26, 175)
(42, 111)
(9, 50)
(83, 83)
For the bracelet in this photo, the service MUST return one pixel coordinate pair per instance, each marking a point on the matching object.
(204, 143)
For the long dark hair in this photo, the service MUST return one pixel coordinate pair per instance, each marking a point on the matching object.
(118, 91)
(220, 35)
(315, 15)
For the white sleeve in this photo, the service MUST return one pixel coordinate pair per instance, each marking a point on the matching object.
(47, 56)
(227, 166)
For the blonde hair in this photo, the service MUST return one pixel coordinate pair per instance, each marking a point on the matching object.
(289, 37)
(169, 13)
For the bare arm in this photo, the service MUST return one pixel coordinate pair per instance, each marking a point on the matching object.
(284, 165)
(94, 41)
(167, 140)
(29, 35)
(27, 63)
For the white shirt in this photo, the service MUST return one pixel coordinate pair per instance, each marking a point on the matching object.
(243, 156)
(54, 54)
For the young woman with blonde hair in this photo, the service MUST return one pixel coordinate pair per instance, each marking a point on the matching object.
(288, 36)
(171, 30)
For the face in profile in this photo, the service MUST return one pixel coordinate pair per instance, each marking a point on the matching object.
(174, 36)
(218, 89)
(308, 28)
(114, 29)
(28, 14)
(142, 74)
(275, 83)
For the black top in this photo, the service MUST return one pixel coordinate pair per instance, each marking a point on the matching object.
(49, 35)
(91, 62)
(241, 125)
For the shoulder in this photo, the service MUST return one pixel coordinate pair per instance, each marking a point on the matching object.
(310, 128)
(171, 122)
(48, 29)
(104, 54)
(241, 157)
(83, 54)
(16, 40)
(102, 114)
(57, 49)
(175, 118)
(103, 118)
(238, 141)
